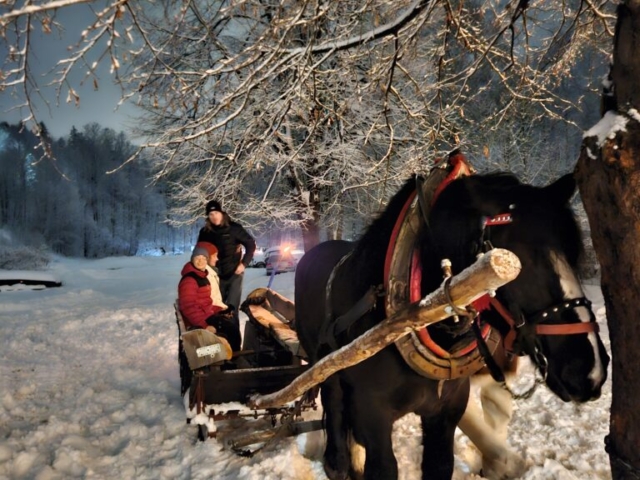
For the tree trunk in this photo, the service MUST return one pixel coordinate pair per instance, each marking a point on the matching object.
(626, 49)
(310, 234)
(608, 174)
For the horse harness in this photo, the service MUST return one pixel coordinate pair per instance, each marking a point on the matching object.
(332, 329)
(422, 354)
(402, 282)
(403, 278)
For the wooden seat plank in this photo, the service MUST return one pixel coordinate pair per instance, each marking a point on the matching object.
(280, 331)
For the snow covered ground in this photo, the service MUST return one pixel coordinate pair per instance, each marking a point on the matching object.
(89, 389)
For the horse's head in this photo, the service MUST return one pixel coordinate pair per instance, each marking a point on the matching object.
(551, 319)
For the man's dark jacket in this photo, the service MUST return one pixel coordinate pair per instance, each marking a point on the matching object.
(226, 239)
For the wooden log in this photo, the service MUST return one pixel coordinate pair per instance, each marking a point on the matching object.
(487, 274)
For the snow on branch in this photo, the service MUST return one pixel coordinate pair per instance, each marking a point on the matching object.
(313, 112)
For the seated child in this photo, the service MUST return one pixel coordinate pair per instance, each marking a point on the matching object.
(212, 274)
(196, 306)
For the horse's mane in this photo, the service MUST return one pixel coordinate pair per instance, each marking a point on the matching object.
(372, 245)
(455, 229)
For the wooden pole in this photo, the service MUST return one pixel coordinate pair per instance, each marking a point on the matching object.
(490, 272)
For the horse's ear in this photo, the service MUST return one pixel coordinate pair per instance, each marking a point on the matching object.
(562, 189)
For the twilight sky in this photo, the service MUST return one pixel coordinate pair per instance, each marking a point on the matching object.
(95, 105)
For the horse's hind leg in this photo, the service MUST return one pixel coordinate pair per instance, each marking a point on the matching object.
(497, 407)
(336, 455)
(487, 428)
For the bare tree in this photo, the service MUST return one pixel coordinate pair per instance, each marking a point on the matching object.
(309, 112)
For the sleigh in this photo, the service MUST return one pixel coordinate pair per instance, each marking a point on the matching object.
(216, 390)
(270, 378)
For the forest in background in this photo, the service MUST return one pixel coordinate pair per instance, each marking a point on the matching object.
(86, 202)
(322, 158)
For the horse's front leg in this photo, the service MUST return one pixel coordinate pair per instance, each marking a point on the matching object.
(437, 444)
(439, 424)
(336, 455)
(487, 428)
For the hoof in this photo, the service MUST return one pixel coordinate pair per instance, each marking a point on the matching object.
(507, 467)
(333, 474)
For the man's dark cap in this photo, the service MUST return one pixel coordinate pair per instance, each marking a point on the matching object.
(213, 206)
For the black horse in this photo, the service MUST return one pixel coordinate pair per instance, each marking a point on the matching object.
(361, 403)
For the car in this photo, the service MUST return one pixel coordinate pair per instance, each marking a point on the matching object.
(258, 260)
(282, 259)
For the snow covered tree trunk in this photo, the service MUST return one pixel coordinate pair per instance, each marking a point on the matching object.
(310, 234)
(608, 174)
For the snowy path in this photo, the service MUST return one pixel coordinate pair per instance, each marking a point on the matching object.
(89, 389)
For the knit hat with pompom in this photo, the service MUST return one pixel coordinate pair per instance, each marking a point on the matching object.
(200, 251)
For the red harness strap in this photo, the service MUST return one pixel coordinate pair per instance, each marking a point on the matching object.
(567, 328)
(460, 168)
(541, 329)
(510, 338)
(394, 238)
(502, 219)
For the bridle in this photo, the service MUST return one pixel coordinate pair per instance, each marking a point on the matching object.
(522, 337)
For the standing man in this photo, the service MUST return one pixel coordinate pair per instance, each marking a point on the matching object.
(228, 236)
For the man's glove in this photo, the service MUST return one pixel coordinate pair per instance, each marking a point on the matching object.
(227, 313)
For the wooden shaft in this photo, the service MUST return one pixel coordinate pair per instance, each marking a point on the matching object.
(488, 273)
(292, 429)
